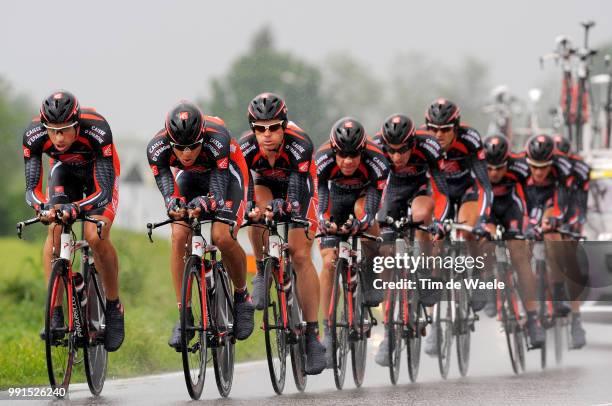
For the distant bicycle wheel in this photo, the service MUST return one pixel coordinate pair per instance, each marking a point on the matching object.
(444, 325)
(359, 341)
(395, 326)
(339, 324)
(415, 332)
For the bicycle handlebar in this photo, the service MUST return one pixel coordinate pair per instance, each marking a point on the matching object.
(58, 220)
(193, 221)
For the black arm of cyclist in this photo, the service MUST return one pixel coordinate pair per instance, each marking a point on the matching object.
(33, 177)
(104, 173)
(323, 190)
(479, 167)
(372, 201)
(439, 194)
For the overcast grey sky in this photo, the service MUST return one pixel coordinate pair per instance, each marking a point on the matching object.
(133, 60)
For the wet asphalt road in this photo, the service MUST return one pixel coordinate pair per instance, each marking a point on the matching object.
(584, 378)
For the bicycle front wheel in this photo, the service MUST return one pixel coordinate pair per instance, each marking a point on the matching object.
(417, 326)
(60, 345)
(95, 356)
(223, 352)
(361, 327)
(464, 327)
(194, 345)
(395, 326)
(274, 327)
(444, 328)
(339, 324)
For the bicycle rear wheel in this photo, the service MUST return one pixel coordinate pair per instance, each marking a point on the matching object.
(274, 328)
(444, 325)
(395, 326)
(60, 345)
(361, 323)
(464, 327)
(95, 356)
(194, 345)
(298, 347)
(223, 352)
(415, 332)
(339, 324)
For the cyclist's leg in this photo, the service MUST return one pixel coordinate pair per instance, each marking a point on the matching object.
(554, 260)
(372, 296)
(469, 214)
(263, 194)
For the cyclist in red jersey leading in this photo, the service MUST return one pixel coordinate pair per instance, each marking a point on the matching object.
(83, 161)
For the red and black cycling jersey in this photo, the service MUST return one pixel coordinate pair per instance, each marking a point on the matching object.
(292, 165)
(552, 192)
(93, 149)
(509, 199)
(580, 176)
(424, 167)
(465, 166)
(369, 178)
(214, 158)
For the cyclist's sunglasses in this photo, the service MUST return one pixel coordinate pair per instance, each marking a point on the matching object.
(57, 129)
(540, 164)
(183, 147)
(352, 154)
(443, 128)
(400, 150)
(496, 167)
(262, 128)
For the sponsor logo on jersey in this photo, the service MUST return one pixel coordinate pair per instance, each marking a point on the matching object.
(223, 163)
(481, 154)
(155, 170)
(303, 167)
(381, 184)
(229, 204)
(26, 152)
(107, 150)
(58, 189)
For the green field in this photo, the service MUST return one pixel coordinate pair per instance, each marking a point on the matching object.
(146, 291)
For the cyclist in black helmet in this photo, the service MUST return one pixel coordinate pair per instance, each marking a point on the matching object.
(415, 180)
(279, 156)
(465, 171)
(352, 173)
(209, 182)
(508, 173)
(575, 220)
(84, 168)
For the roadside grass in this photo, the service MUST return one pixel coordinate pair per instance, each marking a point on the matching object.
(146, 291)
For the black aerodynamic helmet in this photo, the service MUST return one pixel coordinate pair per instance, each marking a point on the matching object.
(348, 135)
(59, 107)
(497, 150)
(185, 123)
(442, 112)
(540, 149)
(397, 129)
(267, 106)
(562, 143)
